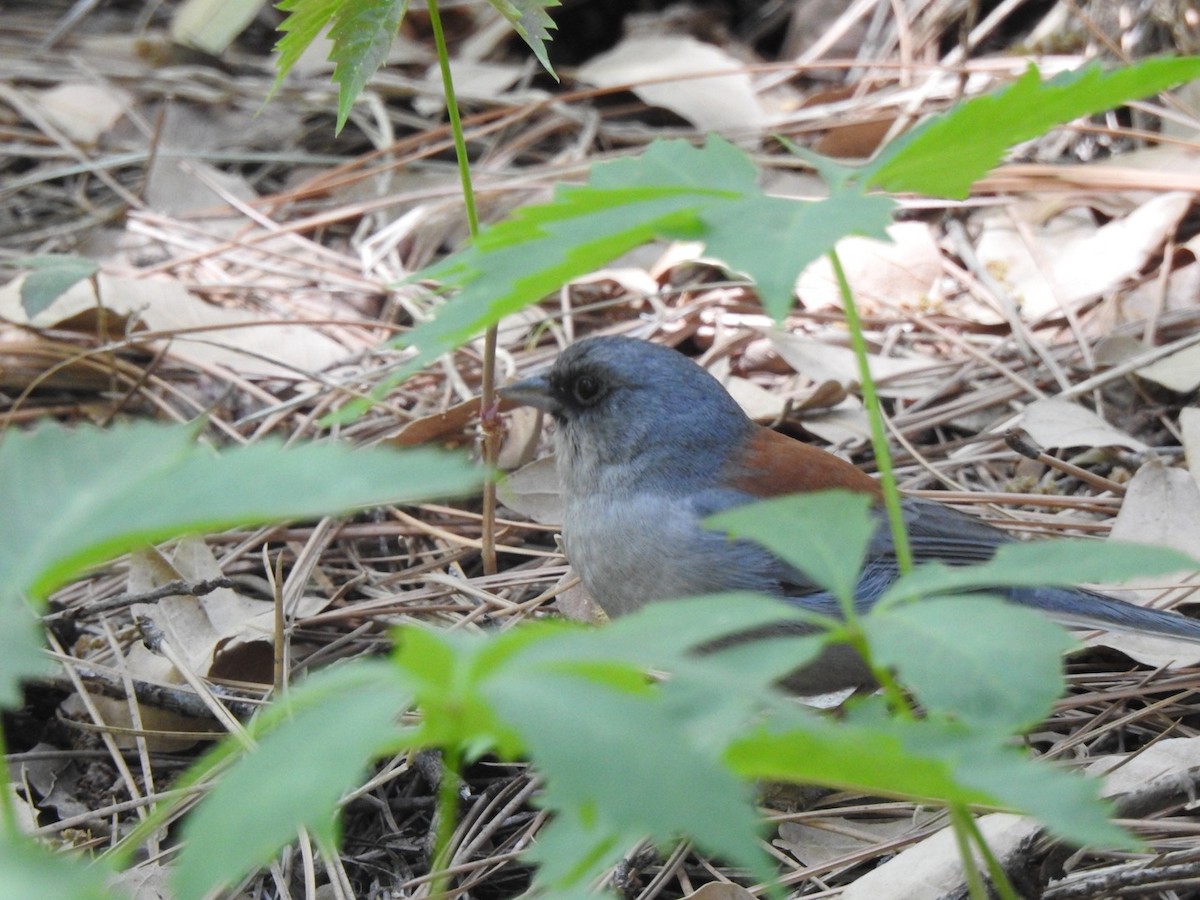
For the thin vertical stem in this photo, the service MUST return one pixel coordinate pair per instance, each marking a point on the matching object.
(489, 422)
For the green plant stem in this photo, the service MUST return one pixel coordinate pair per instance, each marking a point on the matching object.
(891, 493)
(883, 456)
(447, 817)
(8, 809)
(962, 838)
(1000, 883)
(487, 400)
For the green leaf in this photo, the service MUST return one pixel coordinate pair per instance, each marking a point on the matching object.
(362, 35)
(772, 240)
(78, 497)
(979, 660)
(948, 153)
(30, 869)
(631, 764)
(1064, 562)
(862, 757)
(20, 648)
(825, 535)
(339, 720)
(672, 191)
(443, 667)
(529, 19)
(929, 760)
(1066, 802)
(52, 276)
(305, 21)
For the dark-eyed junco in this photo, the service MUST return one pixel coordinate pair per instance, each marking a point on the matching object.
(649, 444)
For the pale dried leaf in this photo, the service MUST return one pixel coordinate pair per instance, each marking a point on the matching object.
(1189, 425)
(1120, 249)
(473, 80)
(722, 103)
(1170, 758)
(534, 491)
(720, 890)
(164, 305)
(845, 423)
(756, 401)
(900, 273)
(821, 361)
(148, 881)
(181, 186)
(822, 839)
(932, 869)
(1058, 423)
(211, 25)
(83, 112)
(1161, 508)
(1179, 372)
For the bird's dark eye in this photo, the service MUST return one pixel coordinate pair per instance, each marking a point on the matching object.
(586, 389)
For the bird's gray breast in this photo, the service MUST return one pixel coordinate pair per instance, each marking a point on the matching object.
(636, 548)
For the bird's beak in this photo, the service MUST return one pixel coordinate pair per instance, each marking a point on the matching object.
(534, 392)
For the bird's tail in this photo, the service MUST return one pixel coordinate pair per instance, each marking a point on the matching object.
(1078, 607)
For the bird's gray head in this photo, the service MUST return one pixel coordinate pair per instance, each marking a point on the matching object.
(637, 412)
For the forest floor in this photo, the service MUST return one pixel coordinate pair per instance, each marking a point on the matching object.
(251, 275)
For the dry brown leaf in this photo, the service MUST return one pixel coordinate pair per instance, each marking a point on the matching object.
(220, 633)
(1058, 423)
(439, 426)
(900, 273)
(932, 869)
(725, 102)
(575, 603)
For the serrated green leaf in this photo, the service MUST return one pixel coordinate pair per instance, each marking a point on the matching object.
(1064, 562)
(30, 869)
(293, 778)
(672, 191)
(772, 240)
(76, 497)
(825, 535)
(362, 34)
(948, 153)
(305, 21)
(530, 20)
(979, 660)
(930, 760)
(871, 758)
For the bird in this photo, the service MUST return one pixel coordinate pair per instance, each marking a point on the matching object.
(649, 444)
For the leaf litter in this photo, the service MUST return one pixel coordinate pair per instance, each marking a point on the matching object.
(251, 270)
